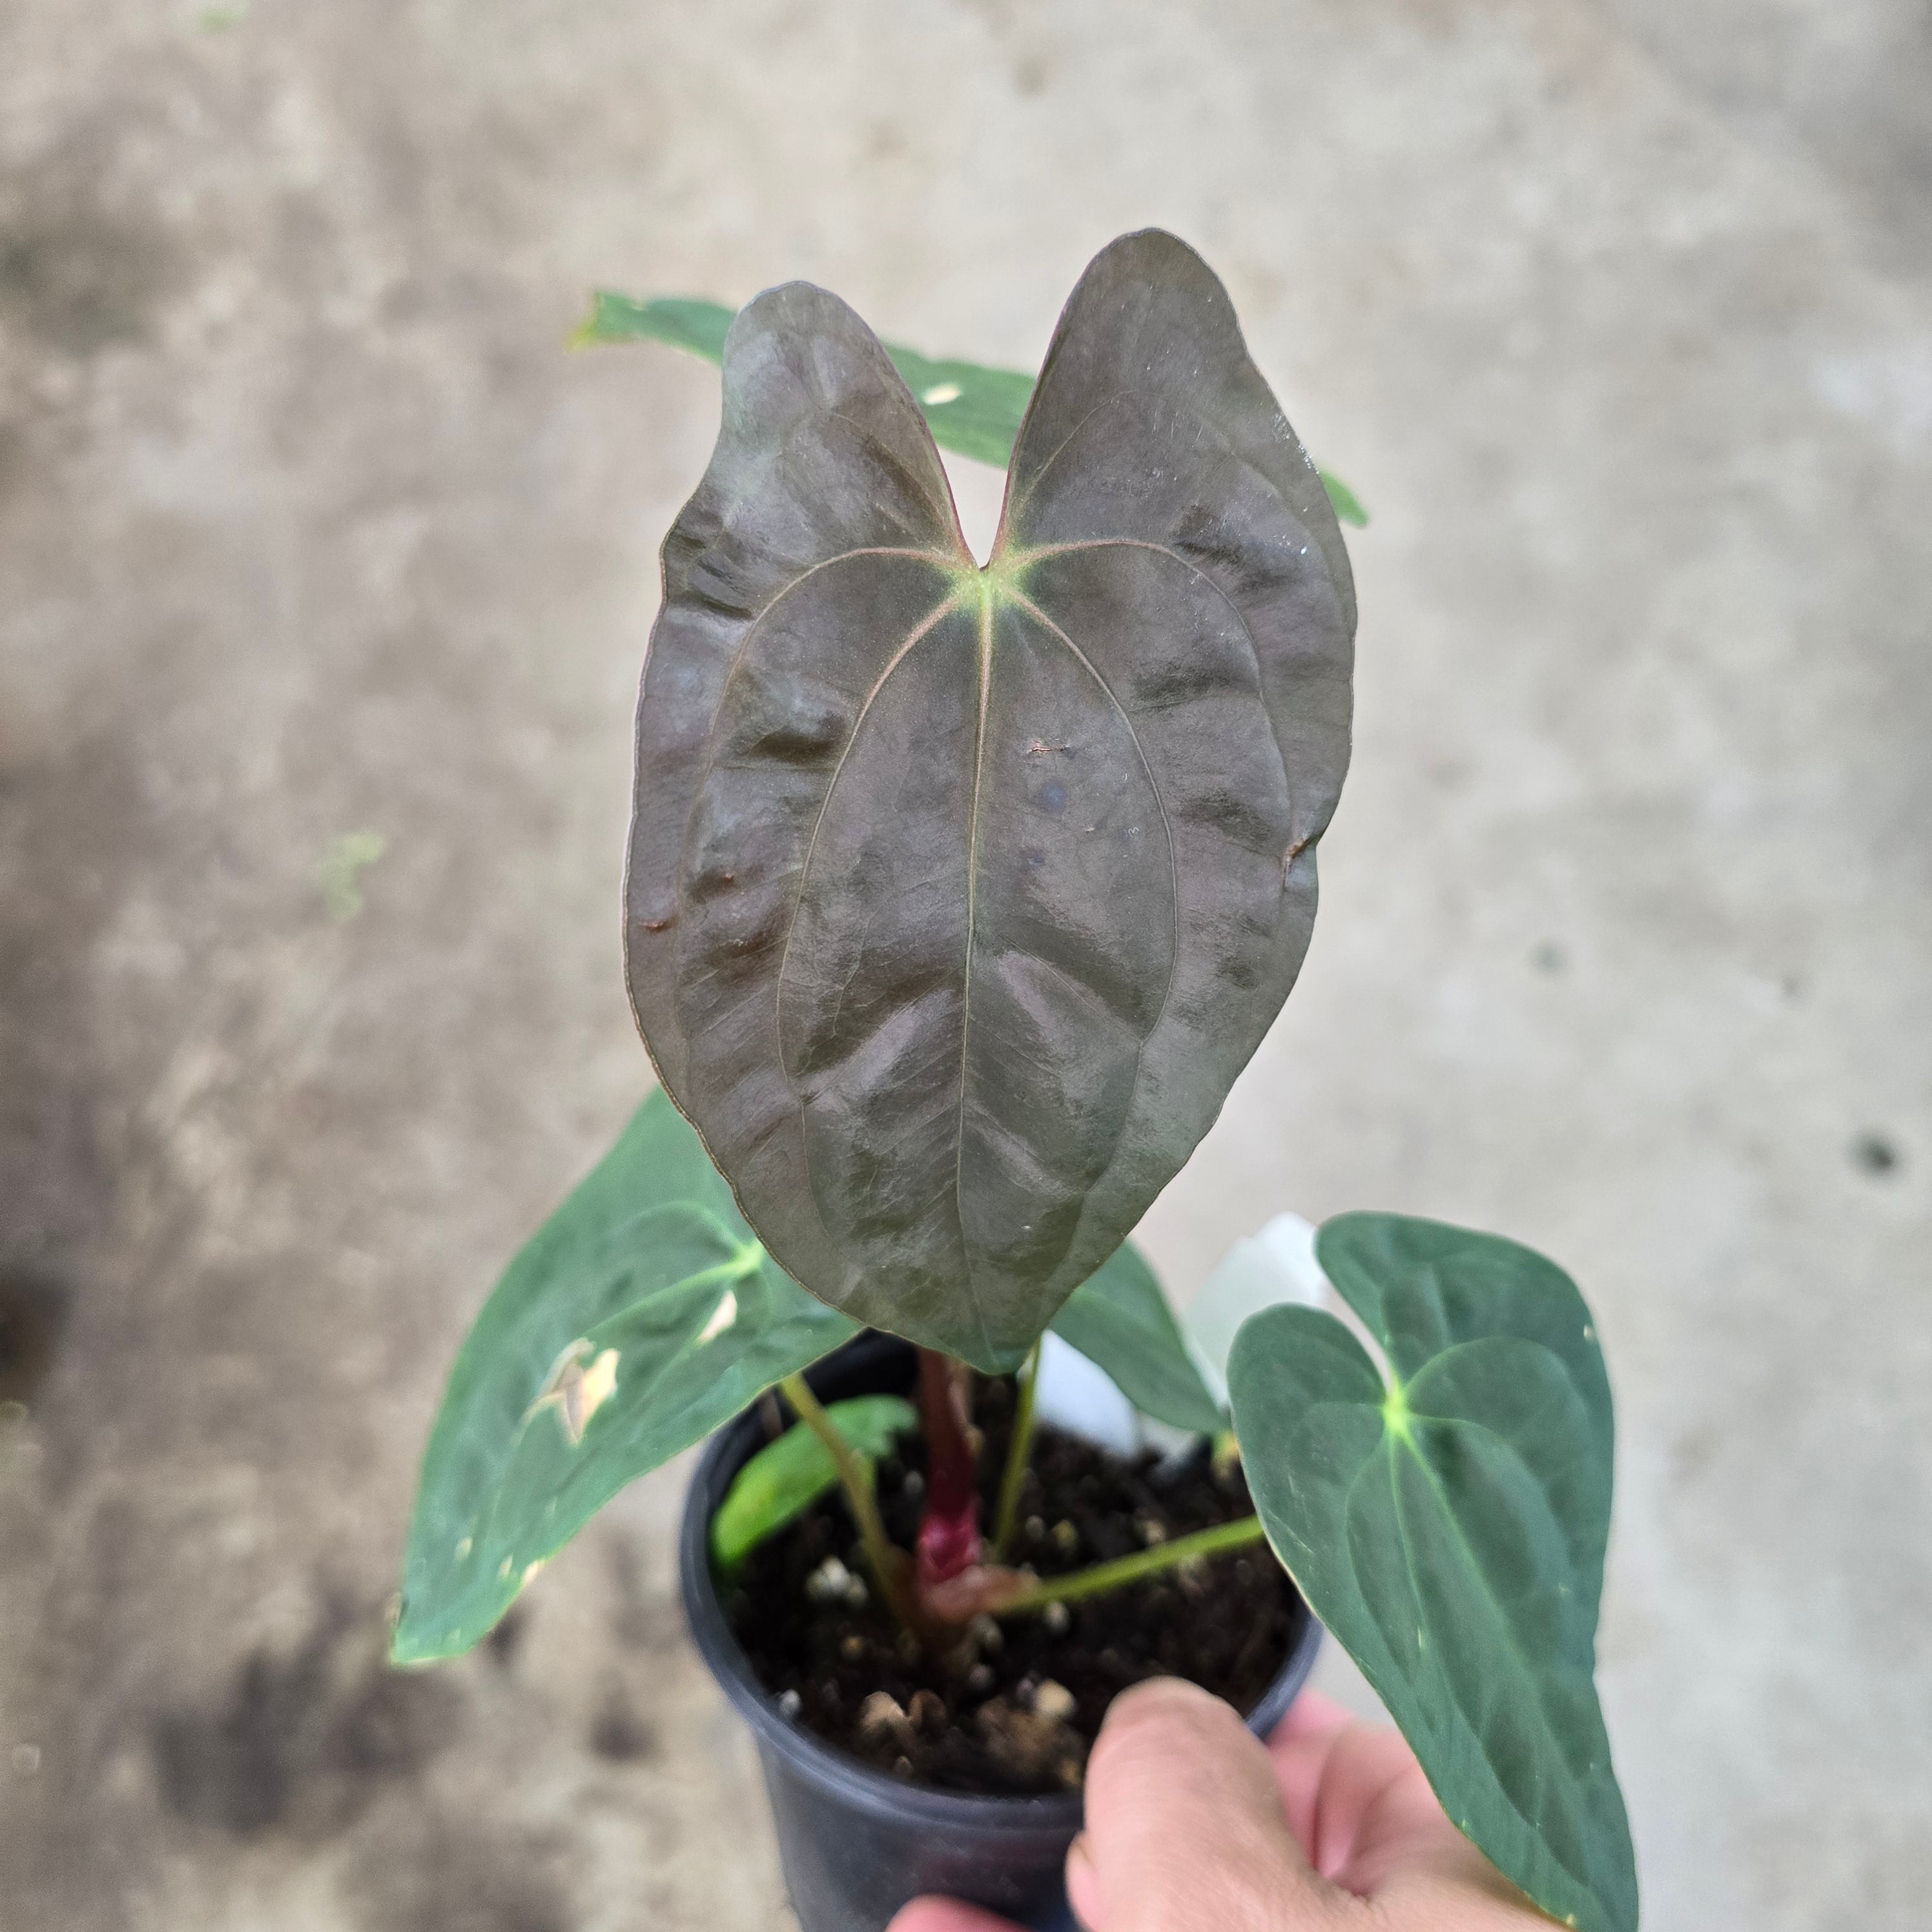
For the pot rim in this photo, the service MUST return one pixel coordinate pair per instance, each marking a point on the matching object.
(855, 1782)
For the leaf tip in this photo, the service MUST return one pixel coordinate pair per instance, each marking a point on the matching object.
(407, 1649)
(590, 330)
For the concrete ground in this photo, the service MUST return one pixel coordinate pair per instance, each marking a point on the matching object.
(1617, 315)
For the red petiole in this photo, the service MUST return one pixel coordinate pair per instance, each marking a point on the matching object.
(949, 1541)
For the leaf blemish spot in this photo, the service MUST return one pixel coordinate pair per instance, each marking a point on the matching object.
(575, 1392)
(722, 1317)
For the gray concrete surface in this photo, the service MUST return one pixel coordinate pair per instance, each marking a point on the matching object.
(1619, 315)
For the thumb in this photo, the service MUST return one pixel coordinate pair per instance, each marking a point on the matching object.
(1185, 1829)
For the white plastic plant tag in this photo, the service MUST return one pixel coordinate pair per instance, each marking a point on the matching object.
(1276, 1265)
(1073, 1394)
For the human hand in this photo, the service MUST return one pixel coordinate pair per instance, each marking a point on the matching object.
(1194, 1825)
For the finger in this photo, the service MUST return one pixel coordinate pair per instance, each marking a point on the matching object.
(1185, 1827)
(1365, 1813)
(946, 1914)
(1300, 1746)
(1311, 1713)
(1338, 1777)
(1363, 1809)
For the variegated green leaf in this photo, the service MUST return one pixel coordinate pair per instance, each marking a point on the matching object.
(642, 1316)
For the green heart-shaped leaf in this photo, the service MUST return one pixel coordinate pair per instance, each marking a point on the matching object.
(643, 1315)
(959, 897)
(1120, 1320)
(1449, 1526)
(972, 410)
(788, 1476)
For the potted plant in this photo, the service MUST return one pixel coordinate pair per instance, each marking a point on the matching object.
(959, 895)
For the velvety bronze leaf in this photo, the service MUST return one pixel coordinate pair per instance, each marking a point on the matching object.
(958, 896)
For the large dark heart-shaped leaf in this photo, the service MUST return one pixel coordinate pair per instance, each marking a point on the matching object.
(643, 1315)
(959, 897)
(1448, 1526)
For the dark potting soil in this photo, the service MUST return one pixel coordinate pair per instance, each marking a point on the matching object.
(1022, 1717)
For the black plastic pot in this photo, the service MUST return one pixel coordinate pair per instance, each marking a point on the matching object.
(856, 1844)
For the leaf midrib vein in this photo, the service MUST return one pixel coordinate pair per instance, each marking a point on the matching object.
(966, 977)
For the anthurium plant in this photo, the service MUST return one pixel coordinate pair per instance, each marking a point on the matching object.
(959, 895)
